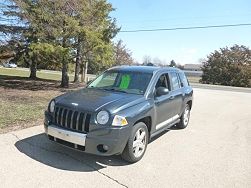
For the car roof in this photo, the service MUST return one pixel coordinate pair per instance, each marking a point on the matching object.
(145, 69)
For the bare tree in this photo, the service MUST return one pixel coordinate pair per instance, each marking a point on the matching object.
(123, 56)
(147, 59)
(158, 62)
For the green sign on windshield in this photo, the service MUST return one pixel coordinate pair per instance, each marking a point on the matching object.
(125, 81)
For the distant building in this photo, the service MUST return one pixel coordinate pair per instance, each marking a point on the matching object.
(192, 67)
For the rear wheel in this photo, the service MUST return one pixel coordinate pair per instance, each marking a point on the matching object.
(137, 143)
(184, 119)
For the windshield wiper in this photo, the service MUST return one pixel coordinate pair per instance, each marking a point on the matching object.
(114, 89)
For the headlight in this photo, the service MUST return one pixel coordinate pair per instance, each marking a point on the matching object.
(52, 106)
(102, 117)
(119, 121)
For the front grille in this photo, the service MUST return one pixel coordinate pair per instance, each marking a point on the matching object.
(71, 119)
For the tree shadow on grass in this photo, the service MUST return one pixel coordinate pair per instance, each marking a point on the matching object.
(24, 83)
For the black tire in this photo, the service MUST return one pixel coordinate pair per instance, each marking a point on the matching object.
(129, 153)
(183, 119)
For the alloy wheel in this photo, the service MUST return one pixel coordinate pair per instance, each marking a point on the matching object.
(139, 142)
(186, 116)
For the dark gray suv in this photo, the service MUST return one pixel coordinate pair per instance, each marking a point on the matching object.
(120, 111)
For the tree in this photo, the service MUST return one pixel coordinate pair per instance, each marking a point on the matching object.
(147, 59)
(54, 23)
(79, 30)
(172, 64)
(48, 56)
(10, 23)
(228, 66)
(96, 29)
(158, 62)
(12, 27)
(102, 57)
(122, 55)
(47, 22)
(21, 31)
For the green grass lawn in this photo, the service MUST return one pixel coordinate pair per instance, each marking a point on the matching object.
(56, 76)
(23, 108)
(26, 73)
(23, 101)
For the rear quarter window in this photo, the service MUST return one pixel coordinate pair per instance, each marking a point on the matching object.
(175, 81)
(183, 79)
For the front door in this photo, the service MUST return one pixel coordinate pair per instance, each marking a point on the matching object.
(164, 105)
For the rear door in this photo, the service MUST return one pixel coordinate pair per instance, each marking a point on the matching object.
(176, 95)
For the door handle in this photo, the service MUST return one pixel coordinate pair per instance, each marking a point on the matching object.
(172, 97)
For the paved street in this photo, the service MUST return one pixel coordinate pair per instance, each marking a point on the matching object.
(221, 88)
(214, 151)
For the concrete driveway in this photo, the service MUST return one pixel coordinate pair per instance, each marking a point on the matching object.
(214, 151)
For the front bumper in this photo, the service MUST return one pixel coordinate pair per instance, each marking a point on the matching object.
(69, 136)
(103, 141)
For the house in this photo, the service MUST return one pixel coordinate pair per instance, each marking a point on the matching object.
(192, 67)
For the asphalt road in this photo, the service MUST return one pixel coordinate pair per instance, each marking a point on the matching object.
(214, 151)
(221, 88)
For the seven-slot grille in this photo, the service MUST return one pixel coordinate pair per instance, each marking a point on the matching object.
(71, 119)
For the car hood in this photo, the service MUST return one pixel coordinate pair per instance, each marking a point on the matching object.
(94, 99)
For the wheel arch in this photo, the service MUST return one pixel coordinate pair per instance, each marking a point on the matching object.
(190, 103)
(148, 121)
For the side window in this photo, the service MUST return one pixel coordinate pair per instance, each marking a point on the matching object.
(183, 79)
(175, 80)
(163, 81)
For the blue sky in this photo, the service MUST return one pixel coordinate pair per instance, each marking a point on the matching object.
(184, 46)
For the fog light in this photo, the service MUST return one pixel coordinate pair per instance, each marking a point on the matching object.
(102, 148)
(105, 147)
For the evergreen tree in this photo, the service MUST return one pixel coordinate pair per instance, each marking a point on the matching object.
(228, 66)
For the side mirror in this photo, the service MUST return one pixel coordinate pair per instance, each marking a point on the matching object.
(161, 91)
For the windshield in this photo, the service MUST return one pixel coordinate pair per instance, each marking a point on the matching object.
(118, 81)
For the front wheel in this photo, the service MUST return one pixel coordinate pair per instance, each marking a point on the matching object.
(137, 143)
(184, 119)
